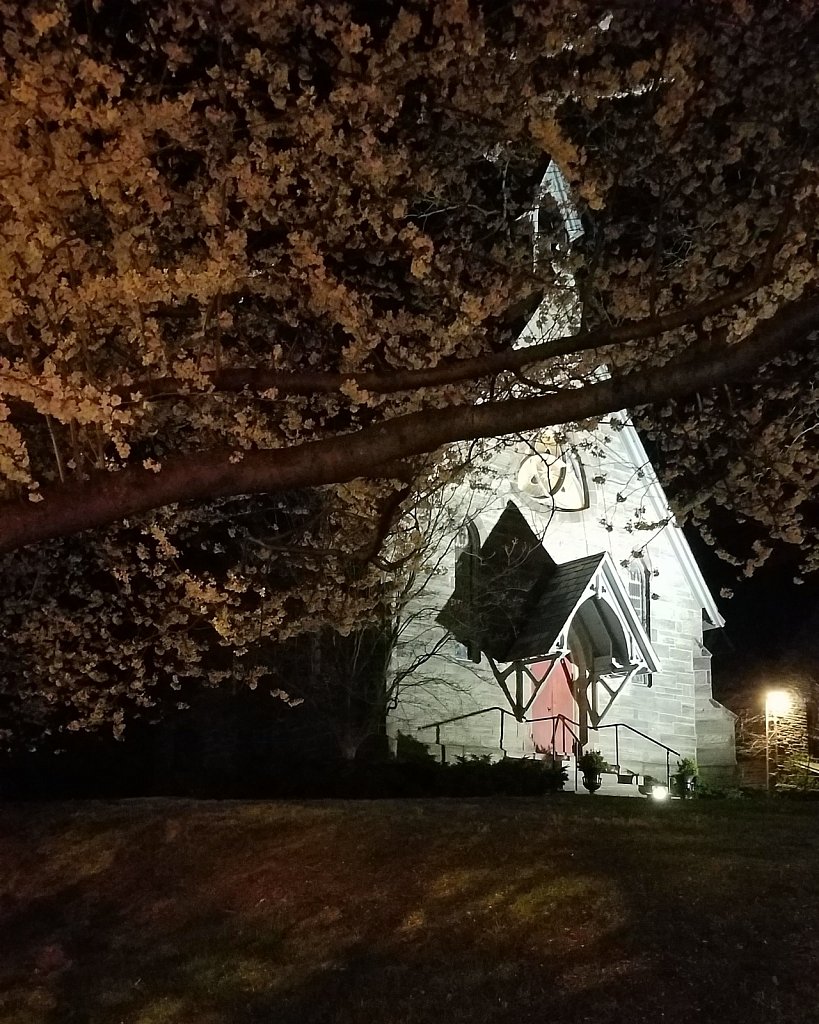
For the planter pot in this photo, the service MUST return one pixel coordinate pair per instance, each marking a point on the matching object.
(685, 785)
(592, 781)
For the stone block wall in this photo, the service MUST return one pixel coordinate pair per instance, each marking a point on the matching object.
(716, 744)
(677, 709)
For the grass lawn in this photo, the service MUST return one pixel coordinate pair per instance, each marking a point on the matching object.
(554, 910)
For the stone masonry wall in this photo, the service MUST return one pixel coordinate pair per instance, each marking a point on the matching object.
(676, 709)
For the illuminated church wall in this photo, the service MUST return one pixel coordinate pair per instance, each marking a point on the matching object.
(595, 493)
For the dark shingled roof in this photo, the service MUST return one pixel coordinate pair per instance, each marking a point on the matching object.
(512, 599)
(563, 589)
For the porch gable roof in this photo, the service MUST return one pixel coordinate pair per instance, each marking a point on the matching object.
(515, 602)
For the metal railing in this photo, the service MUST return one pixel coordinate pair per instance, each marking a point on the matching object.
(569, 725)
(460, 718)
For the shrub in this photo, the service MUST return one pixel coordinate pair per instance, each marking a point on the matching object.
(704, 791)
(478, 776)
(410, 750)
(467, 777)
(592, 761)
(687, 766)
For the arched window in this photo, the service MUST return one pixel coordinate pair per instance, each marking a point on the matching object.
(468, 540)
(638, 591)
(467, 548)
(541, 476)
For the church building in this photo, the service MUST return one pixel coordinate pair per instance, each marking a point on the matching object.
(563, 611)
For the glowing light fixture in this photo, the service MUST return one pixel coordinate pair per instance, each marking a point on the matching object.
(654, 790)
(777, 705)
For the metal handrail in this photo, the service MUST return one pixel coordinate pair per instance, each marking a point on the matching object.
(459, 718)
(617, 726)
(566, 721)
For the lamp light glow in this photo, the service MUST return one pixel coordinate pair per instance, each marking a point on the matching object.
(777, 702)
(777, 705)
(659, 793)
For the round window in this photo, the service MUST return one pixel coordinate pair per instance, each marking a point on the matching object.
(553, 476)
(541, 476)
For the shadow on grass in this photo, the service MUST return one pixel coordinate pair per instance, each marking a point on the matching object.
(409, 913)
(81, 960)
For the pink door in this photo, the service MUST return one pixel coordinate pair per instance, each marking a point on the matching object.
(555, 697)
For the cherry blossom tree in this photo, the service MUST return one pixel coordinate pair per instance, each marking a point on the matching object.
(263, 262)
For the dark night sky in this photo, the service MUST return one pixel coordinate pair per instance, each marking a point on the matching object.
(768, 620)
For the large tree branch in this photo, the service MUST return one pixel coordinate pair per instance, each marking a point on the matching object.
(202, 476)
(260, 379)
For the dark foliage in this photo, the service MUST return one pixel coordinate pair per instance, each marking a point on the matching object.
(297, 779)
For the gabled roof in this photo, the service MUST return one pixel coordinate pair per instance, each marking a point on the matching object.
(545, 622)
(656, 497)
(515, 602)
(496, 590)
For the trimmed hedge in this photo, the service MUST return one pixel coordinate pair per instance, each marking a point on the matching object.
(372, 780)
(419, 775)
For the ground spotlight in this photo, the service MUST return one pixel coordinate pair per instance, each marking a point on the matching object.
(654, 789)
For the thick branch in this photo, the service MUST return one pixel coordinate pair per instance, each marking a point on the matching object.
(258, 379)
(203, 476)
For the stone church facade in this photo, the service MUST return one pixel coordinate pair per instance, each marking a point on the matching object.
(602, 622)
(562, 609)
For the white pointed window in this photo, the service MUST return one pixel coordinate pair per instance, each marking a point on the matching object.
(467, 549)
(638, 591)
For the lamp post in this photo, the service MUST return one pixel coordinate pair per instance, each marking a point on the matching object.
(777, 704)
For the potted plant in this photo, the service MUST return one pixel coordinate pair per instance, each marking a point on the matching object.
(592, 764)
(686, 776)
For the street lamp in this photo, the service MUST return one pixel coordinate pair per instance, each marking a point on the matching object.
(777, 704)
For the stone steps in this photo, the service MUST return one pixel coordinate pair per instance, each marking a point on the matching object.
(619, 782)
